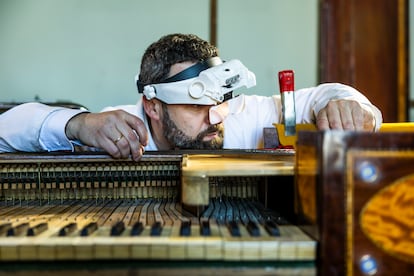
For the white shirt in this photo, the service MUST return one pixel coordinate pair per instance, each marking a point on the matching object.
(35, 127)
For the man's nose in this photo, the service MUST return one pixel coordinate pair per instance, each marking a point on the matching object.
(218, 113)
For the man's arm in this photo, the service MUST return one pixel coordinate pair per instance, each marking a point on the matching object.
(337, 106)
(118, 132)
(35, 127)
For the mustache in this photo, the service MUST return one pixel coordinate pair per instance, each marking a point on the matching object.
(210, 129)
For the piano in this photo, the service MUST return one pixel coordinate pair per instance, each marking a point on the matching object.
(340, 203)
(171, 211)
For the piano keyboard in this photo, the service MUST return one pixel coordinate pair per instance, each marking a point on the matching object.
(229, 229)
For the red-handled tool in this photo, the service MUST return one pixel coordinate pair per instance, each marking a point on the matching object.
(287, 87)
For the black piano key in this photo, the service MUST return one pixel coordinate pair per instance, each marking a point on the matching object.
(118, 228)
(220, 213)
(205, 228)
(68, 229)
(4, 228)
(234, 229)
(279, 220)
(156, 229)
(253, 229)
(272, 228)
(185, 228)
(137, 229)
(18, 230)
(89, 229)
(37, 229)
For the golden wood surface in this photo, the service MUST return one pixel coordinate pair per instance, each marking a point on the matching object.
(197, 169)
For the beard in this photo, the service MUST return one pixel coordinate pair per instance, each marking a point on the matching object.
(178, 139)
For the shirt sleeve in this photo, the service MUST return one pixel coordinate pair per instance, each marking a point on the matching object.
(34, 127)
(248, 115)
(309, 101)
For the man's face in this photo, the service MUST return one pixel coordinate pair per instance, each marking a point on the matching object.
(188, 127)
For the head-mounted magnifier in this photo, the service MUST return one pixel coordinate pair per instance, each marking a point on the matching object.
(204, 83)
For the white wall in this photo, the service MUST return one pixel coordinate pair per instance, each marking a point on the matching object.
(88, 51)
(269, 36)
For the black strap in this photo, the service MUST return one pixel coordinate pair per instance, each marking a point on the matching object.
(189, 73)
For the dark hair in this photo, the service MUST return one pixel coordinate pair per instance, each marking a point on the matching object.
(170, 49)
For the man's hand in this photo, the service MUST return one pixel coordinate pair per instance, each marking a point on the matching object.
(345, 115)
(117, 132)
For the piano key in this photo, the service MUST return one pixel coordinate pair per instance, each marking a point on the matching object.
(242, 247)
(234, 228)
(116, 213)
(206, 214)
(251, 212)
(296, 244)
(253, 229)
(9, 249)
(68, 229)
(231, 244)
(165, 215)
(176, 244)
(112, 248)
(236, 214)
(205, 228)
(156, 229)
(84, 248)
(169, 245)
(135, 215)
(185, 228)
(214, 243)
(160, 247)
(107, 211)
(18, 230)
(37, 229)
(137, 229)
(144, 212)
(140, 247)
(220, 212)
(4, 228)
(89, 229)
(118, 228)
(157, 214)
(272, 228)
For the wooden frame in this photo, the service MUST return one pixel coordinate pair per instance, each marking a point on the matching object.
(365, 44)
(339, 176)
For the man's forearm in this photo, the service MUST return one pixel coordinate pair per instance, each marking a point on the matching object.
(35, 127)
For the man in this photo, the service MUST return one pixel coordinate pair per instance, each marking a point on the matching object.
(172, 114)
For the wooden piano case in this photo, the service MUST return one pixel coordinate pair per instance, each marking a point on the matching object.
(355, 195)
